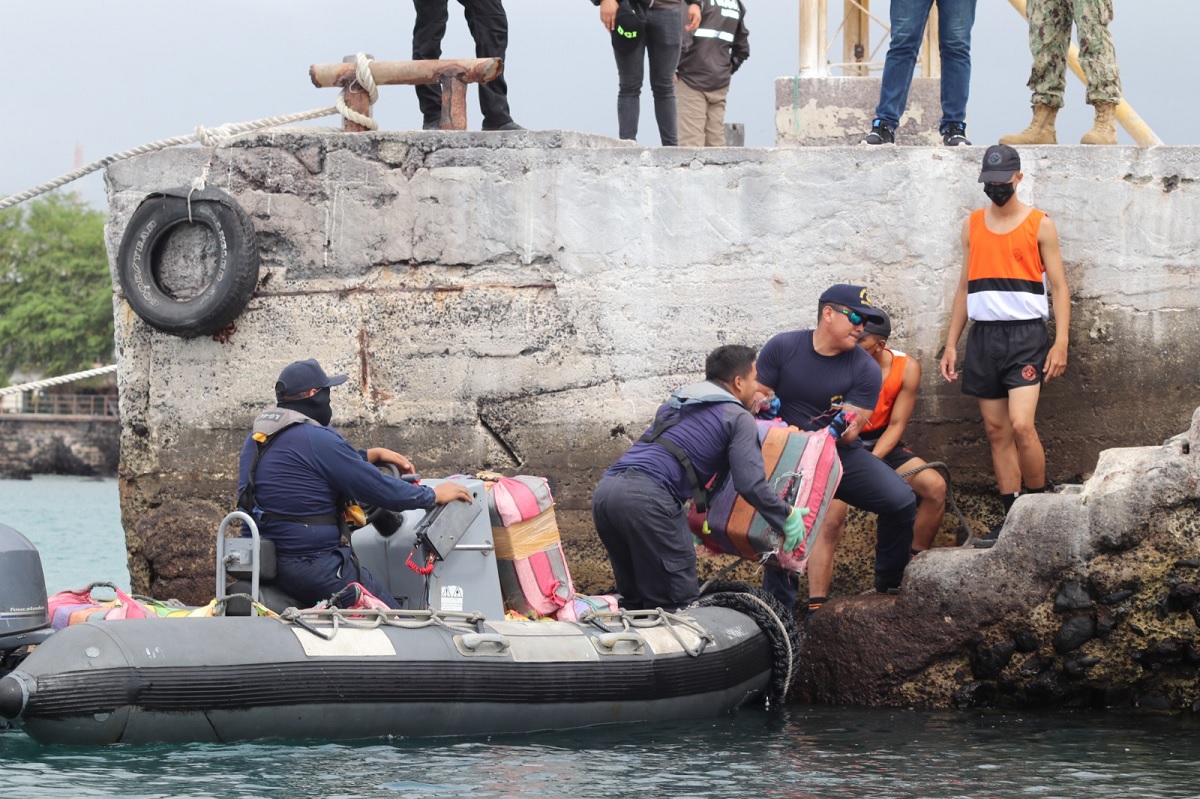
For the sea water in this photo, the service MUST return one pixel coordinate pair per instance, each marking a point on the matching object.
(795, 751)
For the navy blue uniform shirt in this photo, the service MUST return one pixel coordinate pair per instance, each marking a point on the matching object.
(809, 384)
(717, 437)
(304, 471)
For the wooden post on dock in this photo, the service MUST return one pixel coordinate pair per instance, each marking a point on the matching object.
(931, 53)
(856, 38)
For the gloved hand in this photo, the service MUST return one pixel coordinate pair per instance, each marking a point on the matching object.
(793, 529)
(765, 408)
(841, 423)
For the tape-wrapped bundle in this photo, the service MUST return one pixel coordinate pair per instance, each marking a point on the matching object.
(534, 578)
(802, 467)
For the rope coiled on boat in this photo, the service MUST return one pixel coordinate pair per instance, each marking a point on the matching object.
(776, 622)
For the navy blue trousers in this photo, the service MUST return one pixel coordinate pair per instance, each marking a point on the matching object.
(645, 530)
(870, 484)
(310, 579)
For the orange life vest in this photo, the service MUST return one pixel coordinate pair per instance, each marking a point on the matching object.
(888, 393)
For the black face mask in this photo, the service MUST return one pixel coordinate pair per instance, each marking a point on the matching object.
(999, 193)
(315, 407)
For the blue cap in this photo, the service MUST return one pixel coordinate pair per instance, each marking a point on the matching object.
(853, 297)
(874, 327)
(301, 376)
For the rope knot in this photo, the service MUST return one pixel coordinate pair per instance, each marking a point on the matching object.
(365, 82)
(213, 137)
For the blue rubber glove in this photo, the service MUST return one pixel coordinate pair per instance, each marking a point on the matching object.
(839, 425)
(766, 408)
(793, 529)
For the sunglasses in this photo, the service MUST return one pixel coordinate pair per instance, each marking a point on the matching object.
(854, 316)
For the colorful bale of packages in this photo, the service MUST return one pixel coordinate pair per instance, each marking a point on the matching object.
(534, 578)
(580, 605)
(804, 468)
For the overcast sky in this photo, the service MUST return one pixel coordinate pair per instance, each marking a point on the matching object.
(102, 77)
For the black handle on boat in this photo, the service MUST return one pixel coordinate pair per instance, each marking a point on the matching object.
(473, 641)
(611, 641)
(13, 696)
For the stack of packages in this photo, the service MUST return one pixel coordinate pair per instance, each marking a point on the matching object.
(802, 467)
(76, 607)
(534, 578)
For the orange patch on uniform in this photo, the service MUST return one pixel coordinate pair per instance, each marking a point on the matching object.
(1029, 373)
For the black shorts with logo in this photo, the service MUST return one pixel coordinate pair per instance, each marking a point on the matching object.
(899, 455)
(1004, 355)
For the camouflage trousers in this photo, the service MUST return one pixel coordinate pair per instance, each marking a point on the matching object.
(1049, 39)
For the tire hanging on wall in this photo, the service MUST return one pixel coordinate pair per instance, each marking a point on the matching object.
(232, 283)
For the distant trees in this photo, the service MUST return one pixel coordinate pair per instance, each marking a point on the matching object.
(55, 289)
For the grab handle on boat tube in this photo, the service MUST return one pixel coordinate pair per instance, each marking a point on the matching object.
(611, 641)
(473, 641)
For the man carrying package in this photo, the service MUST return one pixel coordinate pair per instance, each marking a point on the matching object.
(640, 505)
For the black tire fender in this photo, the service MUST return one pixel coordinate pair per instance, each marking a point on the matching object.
(233, 277)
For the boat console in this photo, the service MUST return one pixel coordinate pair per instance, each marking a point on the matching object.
(443, 559)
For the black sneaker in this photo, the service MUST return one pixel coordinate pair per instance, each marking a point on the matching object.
(989, 538)
(880, 134)
(955, 135)
(509, 125)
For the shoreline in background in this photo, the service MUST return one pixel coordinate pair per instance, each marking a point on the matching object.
(75, 523)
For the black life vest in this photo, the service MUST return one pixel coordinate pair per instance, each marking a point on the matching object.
(682, 401)
(267, 427)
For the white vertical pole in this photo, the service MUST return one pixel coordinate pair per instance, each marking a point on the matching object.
(823, 38)
(811, 37)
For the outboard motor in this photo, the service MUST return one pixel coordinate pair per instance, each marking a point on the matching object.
(24, 617)
(22, 592)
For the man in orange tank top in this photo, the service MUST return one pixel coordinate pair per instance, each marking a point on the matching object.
(882, 434)
(1010, 252)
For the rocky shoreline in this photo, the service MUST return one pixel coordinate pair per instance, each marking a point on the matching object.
(1089, 599)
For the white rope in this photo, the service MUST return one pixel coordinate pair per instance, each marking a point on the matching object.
(57, 381)
(221, 135)
(364, 78)
(209, 134)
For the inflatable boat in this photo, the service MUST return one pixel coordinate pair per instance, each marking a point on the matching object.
(448, 663)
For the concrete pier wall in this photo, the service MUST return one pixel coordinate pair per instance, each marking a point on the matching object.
(50, 444)
(523, 301)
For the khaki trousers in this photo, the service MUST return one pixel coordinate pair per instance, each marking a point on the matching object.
(701, 116)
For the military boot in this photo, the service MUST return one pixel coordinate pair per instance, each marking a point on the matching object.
(1104, 130)
(1040, 130)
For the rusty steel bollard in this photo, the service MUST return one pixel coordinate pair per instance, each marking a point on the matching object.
(452, 74)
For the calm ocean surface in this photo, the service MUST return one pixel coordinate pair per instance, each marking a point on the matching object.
(797, 751)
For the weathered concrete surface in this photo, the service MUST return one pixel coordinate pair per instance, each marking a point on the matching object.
(836, 111)
(1089, 597)
(47, 444)
(523, 301)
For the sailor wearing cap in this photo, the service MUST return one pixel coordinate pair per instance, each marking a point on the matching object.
(815, 373)
(296, 474)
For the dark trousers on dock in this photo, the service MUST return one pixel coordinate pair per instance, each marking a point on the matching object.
(489, 28)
